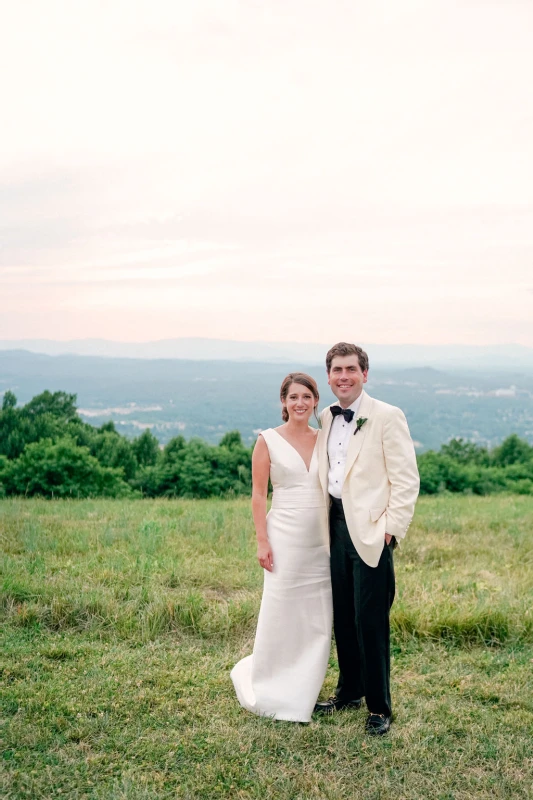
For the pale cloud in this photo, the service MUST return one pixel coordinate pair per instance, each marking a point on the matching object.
(277, 171)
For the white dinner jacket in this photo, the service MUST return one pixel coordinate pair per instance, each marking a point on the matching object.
(381, 479)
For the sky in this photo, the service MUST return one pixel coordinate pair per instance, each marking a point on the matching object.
(288, 170)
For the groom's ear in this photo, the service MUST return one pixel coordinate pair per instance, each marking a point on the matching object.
(365, 375)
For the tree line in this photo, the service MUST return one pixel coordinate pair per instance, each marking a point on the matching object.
(47, 450)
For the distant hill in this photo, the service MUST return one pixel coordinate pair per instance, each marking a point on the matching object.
(495, 357)
(208, 398)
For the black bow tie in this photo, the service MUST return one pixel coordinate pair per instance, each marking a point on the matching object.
(347, 413)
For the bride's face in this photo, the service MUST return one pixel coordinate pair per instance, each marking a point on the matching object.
(300, 402)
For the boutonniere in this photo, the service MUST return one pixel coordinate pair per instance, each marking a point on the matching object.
(359, 422)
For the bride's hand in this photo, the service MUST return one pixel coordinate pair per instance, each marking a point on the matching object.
(264, 556)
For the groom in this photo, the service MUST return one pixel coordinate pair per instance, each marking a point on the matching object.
(370, 479)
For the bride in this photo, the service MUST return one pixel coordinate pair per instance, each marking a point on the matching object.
(284, 674)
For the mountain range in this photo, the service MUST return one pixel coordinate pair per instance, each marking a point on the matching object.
(476, 357)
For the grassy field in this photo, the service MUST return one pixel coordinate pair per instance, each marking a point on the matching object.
(122, 619)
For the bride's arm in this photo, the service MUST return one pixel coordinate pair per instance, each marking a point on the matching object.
(260, 474)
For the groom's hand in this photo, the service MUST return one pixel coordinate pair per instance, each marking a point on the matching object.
(388, 538)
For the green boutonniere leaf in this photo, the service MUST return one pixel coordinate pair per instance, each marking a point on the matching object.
(359, 422)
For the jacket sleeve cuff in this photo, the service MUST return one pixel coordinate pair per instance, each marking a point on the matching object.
(395, 530)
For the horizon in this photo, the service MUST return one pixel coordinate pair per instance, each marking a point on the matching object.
(69, 340)
(487, 359)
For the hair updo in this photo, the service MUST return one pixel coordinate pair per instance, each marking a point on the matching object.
(304, 380)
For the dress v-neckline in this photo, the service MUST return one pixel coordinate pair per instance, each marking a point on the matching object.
(307, 469)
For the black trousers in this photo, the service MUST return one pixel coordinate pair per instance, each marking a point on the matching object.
(362, 599)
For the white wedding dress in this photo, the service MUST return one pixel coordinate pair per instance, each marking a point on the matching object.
(283, 676)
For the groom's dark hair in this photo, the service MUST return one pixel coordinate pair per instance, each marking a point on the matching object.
(346, 349)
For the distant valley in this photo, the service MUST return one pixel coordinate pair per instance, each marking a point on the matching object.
(208, 398)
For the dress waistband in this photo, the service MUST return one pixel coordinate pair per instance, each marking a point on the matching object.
(297, 498)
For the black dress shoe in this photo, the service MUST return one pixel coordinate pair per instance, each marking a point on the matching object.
(377, 724)
(333, 704)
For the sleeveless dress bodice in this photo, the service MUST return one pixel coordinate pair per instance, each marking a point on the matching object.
(283, 676)
(294, 485)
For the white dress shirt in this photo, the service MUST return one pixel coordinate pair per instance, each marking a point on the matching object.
(339, 438)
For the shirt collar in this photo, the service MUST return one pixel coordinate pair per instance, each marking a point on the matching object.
(355, 405)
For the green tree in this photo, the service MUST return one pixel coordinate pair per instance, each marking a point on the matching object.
(232, 440)
(164, 479)
(484, 480)
(196, 475)
(47, 416)
(4, 466)
(174, 449)
(12, 440)
(431, 476)
(439, 472)
(62, 469)
(465, 452)
(108, 426)
(512, 450)
(9, 400)
(58, 404)
(113, 450)
(146, 449)
(156, 481)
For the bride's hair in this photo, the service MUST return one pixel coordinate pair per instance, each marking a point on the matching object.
(304, 380)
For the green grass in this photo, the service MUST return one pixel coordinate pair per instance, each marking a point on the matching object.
(122, 619)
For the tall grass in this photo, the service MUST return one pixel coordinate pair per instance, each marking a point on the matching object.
(120, 622)
(143, 568)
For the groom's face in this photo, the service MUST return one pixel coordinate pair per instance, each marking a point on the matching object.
(346, 379)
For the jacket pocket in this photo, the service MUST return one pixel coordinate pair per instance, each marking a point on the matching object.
(376, 513)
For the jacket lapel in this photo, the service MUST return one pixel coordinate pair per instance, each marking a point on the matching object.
(356, 439)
